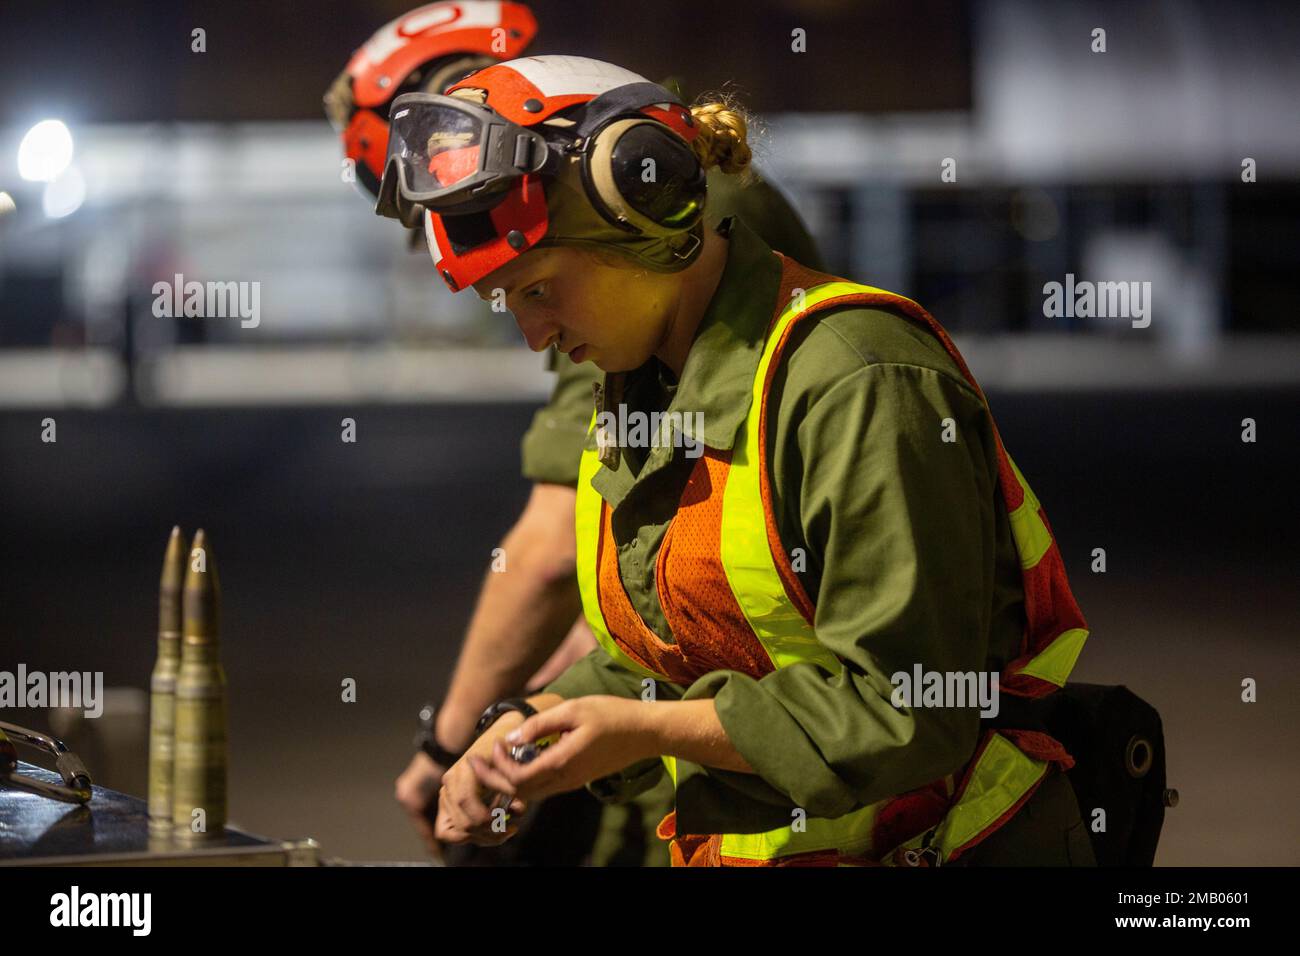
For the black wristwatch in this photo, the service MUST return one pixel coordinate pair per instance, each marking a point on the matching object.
(500, 707)
(427, 740)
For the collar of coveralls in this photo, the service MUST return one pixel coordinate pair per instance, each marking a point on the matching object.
(718, 376)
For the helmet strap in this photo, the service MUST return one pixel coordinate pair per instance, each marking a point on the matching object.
(620, 100)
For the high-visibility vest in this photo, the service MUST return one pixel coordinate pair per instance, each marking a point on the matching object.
(732, 601)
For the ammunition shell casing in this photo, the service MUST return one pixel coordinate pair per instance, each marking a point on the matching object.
(201, 752)
(162, 685)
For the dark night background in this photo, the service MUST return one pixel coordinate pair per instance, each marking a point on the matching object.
(135, 54)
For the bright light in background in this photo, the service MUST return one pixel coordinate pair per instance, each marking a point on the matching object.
(6, 204)
(45, 151)
(64, 195)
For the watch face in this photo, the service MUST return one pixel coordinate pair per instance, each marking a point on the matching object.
(525, 753)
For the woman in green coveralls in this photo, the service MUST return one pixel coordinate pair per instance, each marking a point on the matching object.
(502, 639)
(908, 552)
(553, 444)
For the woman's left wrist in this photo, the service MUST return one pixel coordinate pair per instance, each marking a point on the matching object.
(648, 728)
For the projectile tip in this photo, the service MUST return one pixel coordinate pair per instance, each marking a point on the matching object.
(174, 559)
(202, 592)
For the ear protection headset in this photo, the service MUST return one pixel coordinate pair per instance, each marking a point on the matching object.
(485, 163)
(638, 173)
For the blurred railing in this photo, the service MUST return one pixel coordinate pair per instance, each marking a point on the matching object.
(1173, 163)
(344, 310)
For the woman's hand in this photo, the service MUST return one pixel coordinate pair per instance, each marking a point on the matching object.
(464, 815)
(599, 735)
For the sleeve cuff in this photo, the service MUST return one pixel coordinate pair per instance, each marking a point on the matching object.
(710, 800)
(628, 783)
(598, 673)
(773, 743)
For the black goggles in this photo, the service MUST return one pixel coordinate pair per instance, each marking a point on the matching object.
(452, 156)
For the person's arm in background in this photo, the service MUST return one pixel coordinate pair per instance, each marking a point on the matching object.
(523, 614)
(521, 617)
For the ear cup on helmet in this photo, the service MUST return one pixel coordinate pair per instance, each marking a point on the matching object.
(643, 177)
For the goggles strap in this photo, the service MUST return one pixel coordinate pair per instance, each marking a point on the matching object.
(620, 100)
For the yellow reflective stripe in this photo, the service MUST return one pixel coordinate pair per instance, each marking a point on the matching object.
(1004, 774)
(587, 528)
(670, 764)
(1055, 662)
(1032, 537)
(849, 834)
(746, 556)
(756, 584)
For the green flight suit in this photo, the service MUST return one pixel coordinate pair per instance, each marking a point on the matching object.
(553, 444)
(909, 559)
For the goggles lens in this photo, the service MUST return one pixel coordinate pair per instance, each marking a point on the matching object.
(438, 147)
(452, 156)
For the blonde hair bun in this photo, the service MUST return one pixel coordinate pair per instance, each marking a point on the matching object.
(721, 141)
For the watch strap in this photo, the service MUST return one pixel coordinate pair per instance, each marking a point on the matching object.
(494, 711)
(426, 739)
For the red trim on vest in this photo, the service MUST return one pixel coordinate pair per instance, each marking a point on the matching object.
(1040, 746)
(909, 814)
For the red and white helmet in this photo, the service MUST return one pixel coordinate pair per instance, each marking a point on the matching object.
(426, 49)
(485, 166)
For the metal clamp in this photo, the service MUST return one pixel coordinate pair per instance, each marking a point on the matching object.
(520, 753)
(920, 857)
(76, 779)
(927, 854)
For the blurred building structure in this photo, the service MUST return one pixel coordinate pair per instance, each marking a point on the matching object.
(1113, 166)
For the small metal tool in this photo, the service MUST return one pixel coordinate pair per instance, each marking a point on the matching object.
(76, 779)
(521, 753)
